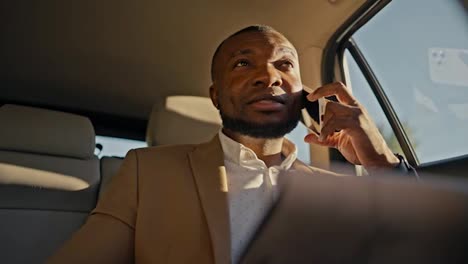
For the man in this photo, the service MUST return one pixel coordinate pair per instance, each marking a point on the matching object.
(203, 203)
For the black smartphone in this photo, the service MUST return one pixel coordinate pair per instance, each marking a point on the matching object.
(312, 107)
(316, 108)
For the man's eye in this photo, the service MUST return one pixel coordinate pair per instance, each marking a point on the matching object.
(242, 63)
(288, 64)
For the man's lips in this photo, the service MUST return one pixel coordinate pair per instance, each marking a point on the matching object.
(267, 103)
(268, 97)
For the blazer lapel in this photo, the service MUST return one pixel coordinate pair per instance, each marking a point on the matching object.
(207, 162)
(301, 166)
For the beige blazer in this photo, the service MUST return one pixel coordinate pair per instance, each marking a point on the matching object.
(166, 205)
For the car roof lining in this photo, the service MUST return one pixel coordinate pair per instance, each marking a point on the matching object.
(120, 57)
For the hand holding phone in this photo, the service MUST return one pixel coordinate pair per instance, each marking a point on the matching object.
(347, 126)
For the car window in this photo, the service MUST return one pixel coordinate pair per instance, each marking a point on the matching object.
(297, 137)
(117, 147)
(418, 50)
(363, 93)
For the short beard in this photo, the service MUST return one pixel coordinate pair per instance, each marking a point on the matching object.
(267, 131)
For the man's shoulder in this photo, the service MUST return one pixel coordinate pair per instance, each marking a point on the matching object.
(302, 166)
(166, 150)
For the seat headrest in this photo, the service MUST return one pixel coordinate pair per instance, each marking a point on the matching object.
(41, 131)
(183, 120)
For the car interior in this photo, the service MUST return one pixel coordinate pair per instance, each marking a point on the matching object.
(76, 73)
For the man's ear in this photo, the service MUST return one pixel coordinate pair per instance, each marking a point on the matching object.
(214, 95)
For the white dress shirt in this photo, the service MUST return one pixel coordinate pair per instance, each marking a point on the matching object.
(252, 189)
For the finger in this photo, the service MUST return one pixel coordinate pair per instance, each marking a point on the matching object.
(313, 138)
(335, 110)
(313, 129)
(347, 117)
(327, 115)
(338, 89)
(338, 108)
(330, 128)
(331, 141)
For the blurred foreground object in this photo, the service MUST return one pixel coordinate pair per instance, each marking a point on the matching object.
(323, 219)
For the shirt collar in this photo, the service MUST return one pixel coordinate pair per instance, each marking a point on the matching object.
(240, 154)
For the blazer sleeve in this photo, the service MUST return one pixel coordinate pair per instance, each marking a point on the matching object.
(108, 234)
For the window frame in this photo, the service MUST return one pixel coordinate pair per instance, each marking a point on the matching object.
(341, 41)
(334, 53)
(383, 100)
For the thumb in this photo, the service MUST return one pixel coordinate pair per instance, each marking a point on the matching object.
(313, 138)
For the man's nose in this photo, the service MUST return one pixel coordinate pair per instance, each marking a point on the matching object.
(267, 76)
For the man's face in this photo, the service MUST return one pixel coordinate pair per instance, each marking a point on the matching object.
(257, 84)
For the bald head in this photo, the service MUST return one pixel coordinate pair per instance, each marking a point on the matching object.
(262, 29)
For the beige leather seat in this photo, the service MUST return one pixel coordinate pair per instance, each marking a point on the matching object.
(182, 120)
(49, 180)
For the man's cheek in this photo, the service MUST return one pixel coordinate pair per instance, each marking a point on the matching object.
(296, 86)
(229, 105)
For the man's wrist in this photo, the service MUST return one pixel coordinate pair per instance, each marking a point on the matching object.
(386, 161)
(398, 164)
(404, 167)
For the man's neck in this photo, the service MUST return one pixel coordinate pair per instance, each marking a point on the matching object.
(267, 150)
